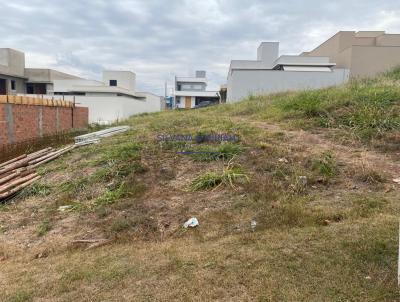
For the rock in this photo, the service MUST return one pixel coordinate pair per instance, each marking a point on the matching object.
(303, 180)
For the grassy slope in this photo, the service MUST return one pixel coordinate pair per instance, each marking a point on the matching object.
(333, 239)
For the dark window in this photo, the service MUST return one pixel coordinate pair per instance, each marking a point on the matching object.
(113, 82)
(29, 89)
(12, 85)
(179, 87)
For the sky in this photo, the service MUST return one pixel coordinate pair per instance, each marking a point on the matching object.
(158, 39)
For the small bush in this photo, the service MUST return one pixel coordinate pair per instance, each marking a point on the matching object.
(229, 176)
(325, 165)
(224, 151)
(37, 189)
(110, 196)
(43, 228)
(119, 225)
(370, 176)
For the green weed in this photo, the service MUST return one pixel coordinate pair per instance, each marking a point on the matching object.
(229, 176)
(43, 228)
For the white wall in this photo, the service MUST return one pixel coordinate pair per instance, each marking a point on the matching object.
(109, 109)
(268, 52)
(67, 85)
(125, 79)
(242, 83)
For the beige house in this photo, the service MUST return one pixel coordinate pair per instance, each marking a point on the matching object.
(364, 53)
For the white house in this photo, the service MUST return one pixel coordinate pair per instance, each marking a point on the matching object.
(271, 73)
(109, 100)
(112, 99)
(191, 91)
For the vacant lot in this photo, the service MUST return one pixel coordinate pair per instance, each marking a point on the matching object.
(302, 208)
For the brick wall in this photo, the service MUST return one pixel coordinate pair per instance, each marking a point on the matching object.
(19, 122)
(81, 117)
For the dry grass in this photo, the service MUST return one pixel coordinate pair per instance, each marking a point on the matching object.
(331, 238)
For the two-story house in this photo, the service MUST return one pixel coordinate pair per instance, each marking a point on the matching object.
(191, 91)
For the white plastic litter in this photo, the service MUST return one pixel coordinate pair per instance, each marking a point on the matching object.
(397, 180)
(64, 208)
(192, 222)
(253, 224)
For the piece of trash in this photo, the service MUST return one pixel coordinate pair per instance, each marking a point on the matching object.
(192, 222)
(303, 180)
(253, 224)
(397, 180)
(283, 160)
(64, 208)
(368, 277)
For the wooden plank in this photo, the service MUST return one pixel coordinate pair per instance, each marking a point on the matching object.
(18, 188)
(12, 160)
(16, 182)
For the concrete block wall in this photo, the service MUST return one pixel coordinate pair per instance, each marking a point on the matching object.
(19, 123)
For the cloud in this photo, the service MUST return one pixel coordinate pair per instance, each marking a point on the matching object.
(158, 39)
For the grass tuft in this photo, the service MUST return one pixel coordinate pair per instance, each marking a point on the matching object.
(43, 228)
(229, 176)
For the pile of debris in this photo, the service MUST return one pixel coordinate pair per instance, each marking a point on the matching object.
(19, 172)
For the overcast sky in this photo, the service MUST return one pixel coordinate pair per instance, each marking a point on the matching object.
(160, 38)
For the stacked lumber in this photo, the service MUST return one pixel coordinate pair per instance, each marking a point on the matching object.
(18, 173)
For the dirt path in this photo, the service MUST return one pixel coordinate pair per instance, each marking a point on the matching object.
(317, 143)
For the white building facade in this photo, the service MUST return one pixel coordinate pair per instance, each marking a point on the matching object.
(110, 100)
(271, 73)
(192, 91)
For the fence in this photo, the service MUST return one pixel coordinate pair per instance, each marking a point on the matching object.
(23, 118)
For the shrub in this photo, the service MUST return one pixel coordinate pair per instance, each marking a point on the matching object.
(229, 176)
(325, 165)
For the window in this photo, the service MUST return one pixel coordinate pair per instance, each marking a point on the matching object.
(113, 82)
(29, 89)
(12, 85)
